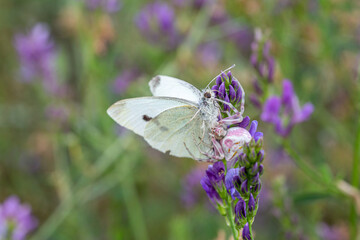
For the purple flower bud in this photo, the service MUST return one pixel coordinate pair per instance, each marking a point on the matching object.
(215, 89)
(243, 160)
(229, 75)
(226, 106)
(255, 101)
(240, 210)
(246, 232)
(232, 93)
(223, 76)
(238, 94)
(255, 189)
(251, 203)
(271, 69)
(244, 187)
(260, 156)
(257, 87)
(235, 83)
(222, 90)
(253, 127)
(254, 169)
(261, 169)
(255, 179)
(254, 60)
(245, 122)
(242, 173)
(258, 135)
(218, 81)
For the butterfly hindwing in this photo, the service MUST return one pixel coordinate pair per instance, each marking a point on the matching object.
(178, 131)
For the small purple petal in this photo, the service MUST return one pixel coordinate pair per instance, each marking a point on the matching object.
(253, 127)
(245, 122)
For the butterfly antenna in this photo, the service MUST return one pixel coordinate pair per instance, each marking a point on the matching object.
(232, 66)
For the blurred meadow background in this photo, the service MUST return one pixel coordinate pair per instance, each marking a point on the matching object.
(64, 62)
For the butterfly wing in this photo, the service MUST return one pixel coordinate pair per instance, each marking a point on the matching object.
(172, 87)
(136, 113)
(179, 131)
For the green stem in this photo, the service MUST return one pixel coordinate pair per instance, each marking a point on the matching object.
(355, 168)
(250, 230)
(230, 216)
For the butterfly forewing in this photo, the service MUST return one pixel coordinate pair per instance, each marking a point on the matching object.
(179, 132)
(136, 113)
(173, 87)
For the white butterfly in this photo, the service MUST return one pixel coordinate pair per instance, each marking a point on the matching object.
(177, 119)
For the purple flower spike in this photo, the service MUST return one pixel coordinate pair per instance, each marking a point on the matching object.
(246, 232)
(16, 220)
(252, 203)
(285, 112)
(37, 57)
(156, 21)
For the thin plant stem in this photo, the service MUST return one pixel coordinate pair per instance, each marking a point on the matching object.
(230, 215)
(354, 218)
(309, 170)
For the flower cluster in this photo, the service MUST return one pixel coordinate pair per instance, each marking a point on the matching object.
(16, 220)
(264, 65)
(285, 112)
(156, 21)
(233, 184)
(228, 89)
(37, 57)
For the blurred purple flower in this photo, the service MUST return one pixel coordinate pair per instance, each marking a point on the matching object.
(242, 37)
(192, 3)
(110, 6)
(16, 220)
(209, 54)
(57, 113)
(327, 232)
(123, 80)
(191, 186)
(37, 57)
(285, 112)
(261, 59)
(156, 21)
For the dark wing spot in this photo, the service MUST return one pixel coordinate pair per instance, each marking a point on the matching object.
(164, 129)
(155, 81)
(146, 118)
(167, 152)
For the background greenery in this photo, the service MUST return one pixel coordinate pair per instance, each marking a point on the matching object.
(84, 180)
